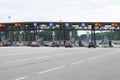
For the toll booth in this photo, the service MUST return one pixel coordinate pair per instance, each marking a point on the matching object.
(30, 30)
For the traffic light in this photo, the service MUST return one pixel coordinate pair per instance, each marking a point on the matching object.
(114, 25)
(97, 25)
(2, 25)
(17, 24)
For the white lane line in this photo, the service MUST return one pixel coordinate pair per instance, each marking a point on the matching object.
(21, 78)
(50, 70)
(42, 57)
(77, 62)
(16, 61)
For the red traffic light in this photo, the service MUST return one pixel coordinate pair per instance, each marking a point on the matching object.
(97, 24)
(114, 25)
(2, 25)
(17, 25)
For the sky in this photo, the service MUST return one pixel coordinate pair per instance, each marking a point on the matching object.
(60, 10)
(56, 10)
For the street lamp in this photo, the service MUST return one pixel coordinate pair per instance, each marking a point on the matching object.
(9, 17)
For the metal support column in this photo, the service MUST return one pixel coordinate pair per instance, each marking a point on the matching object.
(64, 37)
(94, 37)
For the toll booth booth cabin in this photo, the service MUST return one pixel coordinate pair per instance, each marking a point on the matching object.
(27, 31)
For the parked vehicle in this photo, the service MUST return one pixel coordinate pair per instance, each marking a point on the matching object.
(8, 42)
(56, 44)
(47, 43)
(35, 44)
(68, 44)
(91, 44)
(19, 44)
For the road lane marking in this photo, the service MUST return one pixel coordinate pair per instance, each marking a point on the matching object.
(51, 70)
(16, 61)
(21, 78)
(77, 62)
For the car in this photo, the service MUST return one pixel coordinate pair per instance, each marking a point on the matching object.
(8, 42)
(81, 44)
(68, 44)
(56, 44)
(29, 43)
(19, 44)
(47, 43)
(35, 44)
(91, 44)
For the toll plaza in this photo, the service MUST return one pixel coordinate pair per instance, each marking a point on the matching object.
(28, 31)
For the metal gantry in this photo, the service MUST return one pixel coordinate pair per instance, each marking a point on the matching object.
(30, 29)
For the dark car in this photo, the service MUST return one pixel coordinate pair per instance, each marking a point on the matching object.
(91, 44)
(29, 43)
(7, 44)
(56, 44)
(68, 44)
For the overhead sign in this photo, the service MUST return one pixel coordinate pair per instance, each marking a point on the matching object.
(88, 36)
(53, 35)
(20, 36)
(2, 38)
(70, 35)
(36, 36)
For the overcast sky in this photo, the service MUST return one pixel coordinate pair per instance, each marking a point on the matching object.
(56, 10)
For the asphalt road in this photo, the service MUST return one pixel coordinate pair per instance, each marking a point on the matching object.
(44, 63)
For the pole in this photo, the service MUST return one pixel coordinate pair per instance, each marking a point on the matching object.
(94, 37)
(64, 36)
(9, 17)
